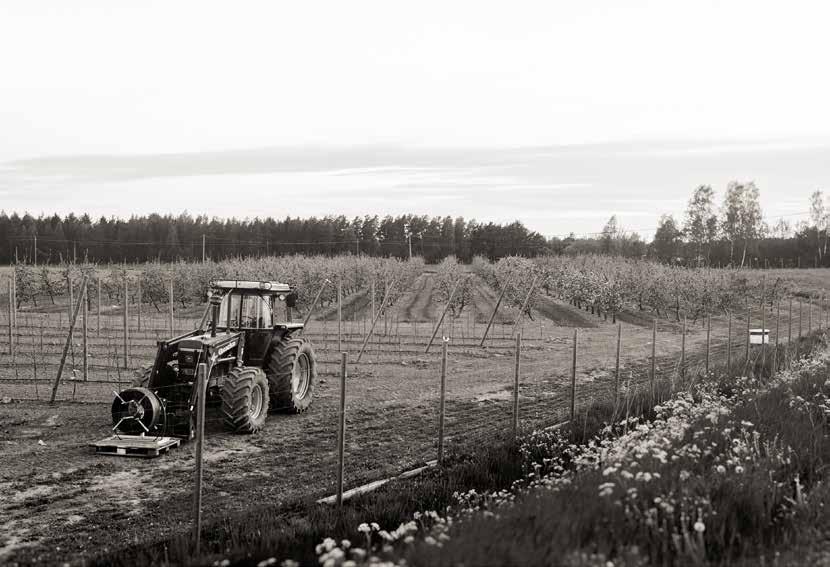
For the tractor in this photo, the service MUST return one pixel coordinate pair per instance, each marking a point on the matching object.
(253, 364)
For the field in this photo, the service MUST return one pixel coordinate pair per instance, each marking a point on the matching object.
(68, 504)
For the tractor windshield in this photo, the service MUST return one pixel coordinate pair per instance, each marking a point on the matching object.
(246, 311)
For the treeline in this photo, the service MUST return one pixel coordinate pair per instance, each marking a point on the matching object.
(55, 239)
(732, 233)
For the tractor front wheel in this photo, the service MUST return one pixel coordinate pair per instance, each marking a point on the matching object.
(244, 400)
(292, 371)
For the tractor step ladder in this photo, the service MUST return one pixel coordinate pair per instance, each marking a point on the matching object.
(135, 446)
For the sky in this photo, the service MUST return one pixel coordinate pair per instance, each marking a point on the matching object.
(557, 114)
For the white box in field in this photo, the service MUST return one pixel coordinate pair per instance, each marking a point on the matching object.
(759, 336)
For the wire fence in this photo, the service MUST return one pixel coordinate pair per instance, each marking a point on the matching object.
(394, 397)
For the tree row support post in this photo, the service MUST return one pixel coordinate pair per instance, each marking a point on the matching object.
(374, 322)
(341, 431)
(201, 391)
(314, 303)
(520, 317)
(443, 314)
(517, 369)
(441, 402)
(66, 346)
(573, 377)
(493, 315)
(617, 365)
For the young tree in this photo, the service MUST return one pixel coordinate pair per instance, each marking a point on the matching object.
(742, 220)
(701, 224)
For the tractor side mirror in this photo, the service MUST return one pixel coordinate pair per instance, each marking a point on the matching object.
(291, 299)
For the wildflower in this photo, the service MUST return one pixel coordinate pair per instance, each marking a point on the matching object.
(721, 469)
(375, 526)
(429, 540)
(699, 527)
(364, 528)
(739, 469)
(606, 488)
(684, 475)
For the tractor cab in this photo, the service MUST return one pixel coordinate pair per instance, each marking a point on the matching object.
(253, 309)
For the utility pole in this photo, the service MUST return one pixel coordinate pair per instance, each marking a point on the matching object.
(203, 248)
(34, 252)
(408, 238)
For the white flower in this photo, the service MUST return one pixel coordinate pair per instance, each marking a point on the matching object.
(699, 527)
(364, 528)
(739, 469)
(721, 469)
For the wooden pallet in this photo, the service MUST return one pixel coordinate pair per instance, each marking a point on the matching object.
(135, 446)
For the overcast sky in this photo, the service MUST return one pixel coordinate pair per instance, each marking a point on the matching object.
(555, 113)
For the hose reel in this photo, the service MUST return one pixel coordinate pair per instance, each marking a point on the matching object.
(138, 411)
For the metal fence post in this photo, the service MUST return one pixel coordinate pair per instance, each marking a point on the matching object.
(708, 340)
(777, 337)
(126, 325)
(172, 332)
(341, 431)
(789, 332)
(573, 377)
(340, 314)
(11, 319)
(85, 300)
(683, 349)
(653, 358)
(516, 384)
(441, 407)
(748, 319)
(729, 344)
(201, 391)
(617, 365)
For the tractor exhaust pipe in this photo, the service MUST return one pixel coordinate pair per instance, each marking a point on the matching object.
(215, 301)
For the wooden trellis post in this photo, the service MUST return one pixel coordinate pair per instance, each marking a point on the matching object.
(66, 345)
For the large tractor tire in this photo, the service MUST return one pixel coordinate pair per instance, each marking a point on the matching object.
(292, 371)
(244, 400)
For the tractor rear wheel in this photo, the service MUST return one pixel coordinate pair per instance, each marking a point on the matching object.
(244, 400)
(292, 370)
